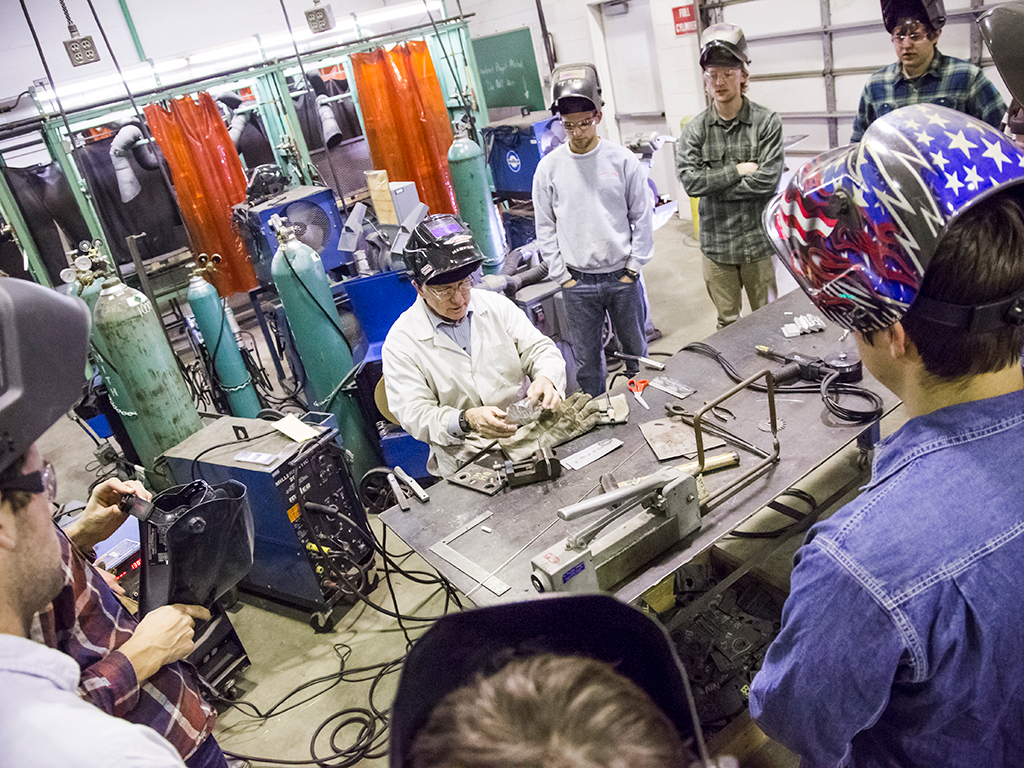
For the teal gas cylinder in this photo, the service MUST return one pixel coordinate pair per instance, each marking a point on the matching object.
(137, 430)
(138, 351)
(473, 194)
(212, 320)
(313, 319)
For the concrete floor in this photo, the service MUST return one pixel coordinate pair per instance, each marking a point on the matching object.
(283, 648)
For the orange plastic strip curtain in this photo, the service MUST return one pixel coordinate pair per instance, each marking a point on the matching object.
(208, 178)
(407, 124)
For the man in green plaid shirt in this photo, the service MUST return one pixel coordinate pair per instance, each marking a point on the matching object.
(730, 156)
(923, 74)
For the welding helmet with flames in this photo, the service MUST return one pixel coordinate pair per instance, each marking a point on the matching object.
(44, 337)
(723, 45)
(442, 250)
(575, 88)
(857, 226)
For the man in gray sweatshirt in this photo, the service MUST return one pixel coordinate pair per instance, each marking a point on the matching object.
(594, 213)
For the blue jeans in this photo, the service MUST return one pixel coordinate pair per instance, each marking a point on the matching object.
(585, 306)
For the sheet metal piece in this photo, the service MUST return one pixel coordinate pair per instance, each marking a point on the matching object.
(463, 563)
(670, 439)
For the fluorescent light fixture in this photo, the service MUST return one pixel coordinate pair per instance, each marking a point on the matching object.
(246, 52)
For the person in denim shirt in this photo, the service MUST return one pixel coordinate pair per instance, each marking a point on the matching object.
(902, 640)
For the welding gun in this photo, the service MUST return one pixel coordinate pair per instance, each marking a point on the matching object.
(812, 368)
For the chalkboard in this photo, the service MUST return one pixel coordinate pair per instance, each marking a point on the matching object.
(508, 69)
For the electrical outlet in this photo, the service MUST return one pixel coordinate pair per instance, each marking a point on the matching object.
(81, 50)
(320, 18)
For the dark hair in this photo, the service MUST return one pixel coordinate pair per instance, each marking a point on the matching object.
(571, 105)
(980, 259)
(17, 499)
(547, 710)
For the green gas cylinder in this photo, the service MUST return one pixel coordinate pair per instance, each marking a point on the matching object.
(138, 352)
(212, 320)
(305, 292)
(476, 208)
(137, 429)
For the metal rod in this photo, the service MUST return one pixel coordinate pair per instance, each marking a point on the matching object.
(645, 486)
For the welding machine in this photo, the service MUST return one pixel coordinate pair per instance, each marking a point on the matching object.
(312, 541)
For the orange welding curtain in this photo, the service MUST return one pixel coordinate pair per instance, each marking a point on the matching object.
(407, 124)
(208, 179)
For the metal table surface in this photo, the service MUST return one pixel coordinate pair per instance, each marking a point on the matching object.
(524, 523)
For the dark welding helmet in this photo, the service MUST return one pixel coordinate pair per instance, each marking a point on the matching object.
(482, 641)
(857, 226)
(930, 12)
(1003, 30)
(723, 45)
(442, 250)
(44, 337)
(197, 543)
(575, 88)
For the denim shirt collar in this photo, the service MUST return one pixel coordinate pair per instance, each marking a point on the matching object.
(952, 425)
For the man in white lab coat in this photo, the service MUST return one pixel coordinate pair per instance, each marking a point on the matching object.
(457, 357)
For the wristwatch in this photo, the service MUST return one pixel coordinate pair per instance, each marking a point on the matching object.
(633, 275)
(464, 424)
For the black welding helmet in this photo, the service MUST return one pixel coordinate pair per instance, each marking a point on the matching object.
(1003, 30)
(461, 646)
(197, 543)
(575, 88)
(442, 250)
(44, 337)
(723, 45)
(930, 12)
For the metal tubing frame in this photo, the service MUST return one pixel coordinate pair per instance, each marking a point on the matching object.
(738, 483)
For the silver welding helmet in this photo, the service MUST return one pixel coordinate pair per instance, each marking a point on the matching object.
(723, 45)
(930, 12)
(1003, 30)
(44, 337)
(573, 87)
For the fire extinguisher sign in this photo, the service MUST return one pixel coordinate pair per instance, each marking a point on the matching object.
(684, 19)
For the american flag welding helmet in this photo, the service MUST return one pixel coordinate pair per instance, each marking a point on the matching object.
(857, 226)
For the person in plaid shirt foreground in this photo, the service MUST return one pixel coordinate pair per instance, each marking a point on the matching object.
(43, 722)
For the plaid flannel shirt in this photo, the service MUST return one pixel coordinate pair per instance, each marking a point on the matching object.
(88, 623)
(731, 205)
(948, 82)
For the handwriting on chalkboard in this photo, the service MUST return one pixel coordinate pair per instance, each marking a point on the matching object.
(508, 70)
(497, 75)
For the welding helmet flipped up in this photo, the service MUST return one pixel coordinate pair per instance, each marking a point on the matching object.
(44, 337)
(931, 12)
(575, 88)
(197, 543)
(442, 250)
(857, 226)
(723, 45)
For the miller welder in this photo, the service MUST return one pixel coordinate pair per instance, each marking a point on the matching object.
(312, 540)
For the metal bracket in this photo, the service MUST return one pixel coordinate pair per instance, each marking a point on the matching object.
(463, 563)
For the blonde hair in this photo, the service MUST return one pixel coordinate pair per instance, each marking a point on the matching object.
(549, 712)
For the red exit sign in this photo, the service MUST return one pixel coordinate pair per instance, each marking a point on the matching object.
(684, 19)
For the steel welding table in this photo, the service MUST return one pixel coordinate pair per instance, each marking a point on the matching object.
(523, 522)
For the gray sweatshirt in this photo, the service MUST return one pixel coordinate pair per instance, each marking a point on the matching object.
(594, 212)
